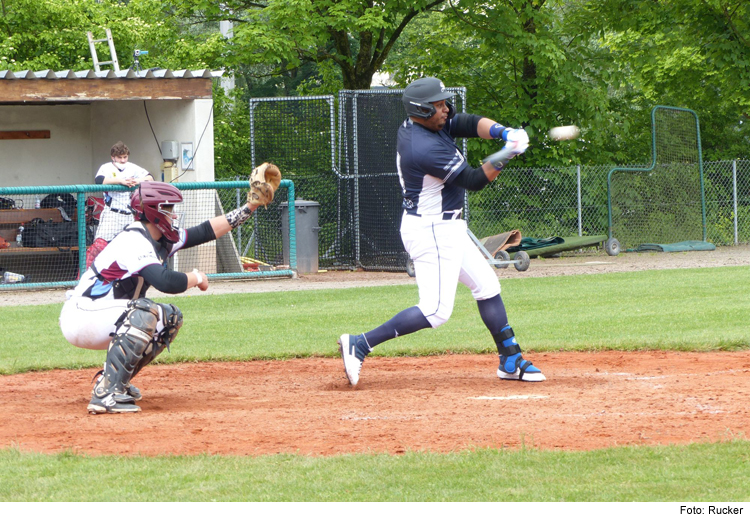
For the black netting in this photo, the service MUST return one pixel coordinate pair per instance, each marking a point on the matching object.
(368, 127)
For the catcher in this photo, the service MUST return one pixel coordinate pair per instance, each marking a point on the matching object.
(109, 310)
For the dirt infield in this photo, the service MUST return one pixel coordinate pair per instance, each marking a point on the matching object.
(440, 403)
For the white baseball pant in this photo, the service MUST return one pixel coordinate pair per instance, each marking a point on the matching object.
(88, 323)
(443, 255)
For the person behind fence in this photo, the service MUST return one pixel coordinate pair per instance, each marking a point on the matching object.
(108, 309)
(116, 215)
(434, 177)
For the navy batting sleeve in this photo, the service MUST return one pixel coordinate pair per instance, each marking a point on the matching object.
(197, 235)
(465, 126)
(472, 179)
(165, 280)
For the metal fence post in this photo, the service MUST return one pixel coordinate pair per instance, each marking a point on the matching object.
(356, 230)
(580, 225)
(734, 186)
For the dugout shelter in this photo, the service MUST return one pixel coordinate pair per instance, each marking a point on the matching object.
(57, 128)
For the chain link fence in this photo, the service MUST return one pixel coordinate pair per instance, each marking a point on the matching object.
(47, 246)
(360, 194)
(341, 154)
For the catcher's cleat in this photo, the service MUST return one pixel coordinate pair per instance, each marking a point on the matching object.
(108, 405)
(353, 351)
(131, 394)
(515, 367)
(134, 392)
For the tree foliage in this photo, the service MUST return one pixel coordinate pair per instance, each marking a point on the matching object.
(52, 34)
(600, 64)
(355, 35)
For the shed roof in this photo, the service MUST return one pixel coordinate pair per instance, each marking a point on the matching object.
(67, 86)
(160, 73)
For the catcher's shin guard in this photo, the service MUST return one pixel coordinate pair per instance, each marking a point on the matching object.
(172, 322)
(134, 333)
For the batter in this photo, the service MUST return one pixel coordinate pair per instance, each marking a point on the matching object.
(434, 177)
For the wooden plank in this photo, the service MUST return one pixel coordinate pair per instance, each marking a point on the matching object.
(83, 90)
(17, 217)
(23, 135)
(16, 251)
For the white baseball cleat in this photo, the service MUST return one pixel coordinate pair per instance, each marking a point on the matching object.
(353, 355)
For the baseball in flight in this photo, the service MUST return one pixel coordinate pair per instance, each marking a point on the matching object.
(568, 132)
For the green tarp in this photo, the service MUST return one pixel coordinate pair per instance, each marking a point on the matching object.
(682, 246)
(553, 245)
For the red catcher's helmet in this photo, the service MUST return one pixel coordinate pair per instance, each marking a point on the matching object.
(154, 202)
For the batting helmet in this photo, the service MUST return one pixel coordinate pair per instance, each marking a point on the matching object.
(419, 96)
(154, 202)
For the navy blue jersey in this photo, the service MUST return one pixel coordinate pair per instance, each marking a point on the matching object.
(427, 163)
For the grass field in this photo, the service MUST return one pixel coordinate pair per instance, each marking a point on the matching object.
(688, 309)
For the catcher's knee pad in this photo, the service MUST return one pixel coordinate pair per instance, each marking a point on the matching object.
(134, 333)
(171, 319)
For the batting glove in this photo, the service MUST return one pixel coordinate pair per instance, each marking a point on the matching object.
(517, 140)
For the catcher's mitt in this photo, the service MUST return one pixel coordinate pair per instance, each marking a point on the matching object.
(264, 181)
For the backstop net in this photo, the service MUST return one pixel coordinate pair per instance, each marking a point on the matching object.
(368, 127)
(345, 160)
(665, 202)
(297, 134)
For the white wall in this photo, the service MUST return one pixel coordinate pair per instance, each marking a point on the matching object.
(81, 136)
(64, 158)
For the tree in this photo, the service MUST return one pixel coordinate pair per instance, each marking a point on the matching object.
(523, 63)
(354, 35)
(51, 34)
(692, 53)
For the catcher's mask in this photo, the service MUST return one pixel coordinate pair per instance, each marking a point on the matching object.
(419, 96)
(155, 203)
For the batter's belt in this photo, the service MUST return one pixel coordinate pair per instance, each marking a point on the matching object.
(445, 216)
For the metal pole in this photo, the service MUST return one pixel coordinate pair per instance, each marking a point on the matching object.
(355, 138)
(238, 202)
(578, 176)
(734, 185)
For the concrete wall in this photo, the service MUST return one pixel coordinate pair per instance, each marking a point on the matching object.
(180, 121)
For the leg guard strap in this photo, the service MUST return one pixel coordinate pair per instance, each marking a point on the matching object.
(506, 342)
(172, 321)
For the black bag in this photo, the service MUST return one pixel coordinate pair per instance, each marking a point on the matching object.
(7, 204)
(38, 233)
(66, 201)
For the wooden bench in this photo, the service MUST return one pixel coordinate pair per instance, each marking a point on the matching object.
(10, 220)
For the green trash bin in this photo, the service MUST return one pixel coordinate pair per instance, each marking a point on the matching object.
(306, 222)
